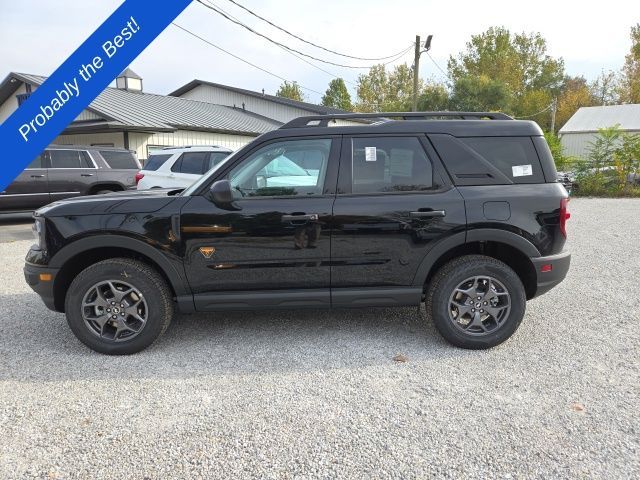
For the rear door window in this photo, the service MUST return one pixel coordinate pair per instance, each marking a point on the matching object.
(67, 159)
(191, 163)
(515, 157)
(154, 162)
(122, 160)
(390, 164)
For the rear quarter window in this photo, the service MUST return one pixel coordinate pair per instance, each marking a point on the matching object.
(515, 157)
(122, 160)
(154, 162)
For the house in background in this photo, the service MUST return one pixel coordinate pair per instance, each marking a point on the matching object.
(271, 106)
(582, 127)
(127, 117)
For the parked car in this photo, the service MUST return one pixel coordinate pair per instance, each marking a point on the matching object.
(463, 214)
(179, 167)
(64, 171)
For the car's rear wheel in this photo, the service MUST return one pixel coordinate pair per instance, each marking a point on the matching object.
(118, 306)
(476, 302)
(103, 192)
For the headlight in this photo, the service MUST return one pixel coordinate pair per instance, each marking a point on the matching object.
(39, 232)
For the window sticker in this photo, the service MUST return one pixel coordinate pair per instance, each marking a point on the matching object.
(522, 170)
(370, 154)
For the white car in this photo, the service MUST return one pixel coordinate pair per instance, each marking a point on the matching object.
(179, 167)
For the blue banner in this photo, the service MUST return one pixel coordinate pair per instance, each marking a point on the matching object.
(80, 79)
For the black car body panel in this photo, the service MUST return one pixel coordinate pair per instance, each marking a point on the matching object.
(337, 246)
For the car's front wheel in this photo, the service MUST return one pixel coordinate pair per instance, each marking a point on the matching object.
(118, 306)
(476, 301)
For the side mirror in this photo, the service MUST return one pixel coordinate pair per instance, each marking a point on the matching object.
(221, 194)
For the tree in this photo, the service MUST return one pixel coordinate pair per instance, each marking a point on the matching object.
(517, 61)
(479, 93)
(575, 93)
(433, 97)
(630, 82)
(290, 90)
(379, 91)
(605, 89)
(337, 95)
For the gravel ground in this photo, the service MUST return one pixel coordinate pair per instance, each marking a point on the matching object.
(317, 394)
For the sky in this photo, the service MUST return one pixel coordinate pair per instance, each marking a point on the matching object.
(36, 36)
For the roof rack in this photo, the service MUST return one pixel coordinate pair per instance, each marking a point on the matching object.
(193, 146)
(323, 120)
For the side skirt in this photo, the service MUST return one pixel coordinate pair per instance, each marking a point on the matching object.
(308, 298)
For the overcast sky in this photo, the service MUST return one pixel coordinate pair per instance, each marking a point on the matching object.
(37, 35)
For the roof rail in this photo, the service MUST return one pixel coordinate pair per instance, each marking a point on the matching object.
(193, 146)
(323, 120)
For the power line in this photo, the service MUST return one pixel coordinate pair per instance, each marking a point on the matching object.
(237, 22)
(311, 43)
(537, 113)
(446, 75)
(294, 54)
(241, 59)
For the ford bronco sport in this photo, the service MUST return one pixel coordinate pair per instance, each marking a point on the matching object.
(461, 211)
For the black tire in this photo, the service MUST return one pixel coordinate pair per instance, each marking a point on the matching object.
(103, 192)
(446, 282)
(145, 280)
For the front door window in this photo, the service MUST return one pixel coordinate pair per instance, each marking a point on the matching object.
(283, 169)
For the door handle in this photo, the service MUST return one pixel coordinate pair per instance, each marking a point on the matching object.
(86, 174)
(427, 214)
(303, 218)
(37, 176)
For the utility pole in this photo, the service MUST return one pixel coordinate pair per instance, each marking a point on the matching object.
(416, 67)
(416, 70)
(554, 108)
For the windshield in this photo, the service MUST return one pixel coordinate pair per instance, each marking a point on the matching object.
(204, 178)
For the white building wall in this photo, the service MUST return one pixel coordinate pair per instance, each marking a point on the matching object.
(578, 144)
(142, 143)
(265, 107)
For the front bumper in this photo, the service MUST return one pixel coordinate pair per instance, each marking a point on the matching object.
(35, 275)
(550, 271)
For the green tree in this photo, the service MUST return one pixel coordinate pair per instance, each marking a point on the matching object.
(337, 95)
(479, 93)
(605, 89)
(518, 61)
(290, 90)
(433, 97)
(630, 82)
(575, 93)
(382, 91)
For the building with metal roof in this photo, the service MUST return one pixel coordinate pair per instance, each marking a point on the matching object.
(272, 106)
(582, 128)
(128, 117)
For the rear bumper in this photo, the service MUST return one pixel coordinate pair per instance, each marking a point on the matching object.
(44, 288)
(559, 266)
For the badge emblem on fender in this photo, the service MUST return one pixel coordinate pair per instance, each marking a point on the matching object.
(207, 251)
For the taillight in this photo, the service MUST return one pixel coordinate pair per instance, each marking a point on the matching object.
(564, 216)
(139, 176)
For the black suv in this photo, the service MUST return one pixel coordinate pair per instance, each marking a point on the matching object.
(64, 171)
(459, 210)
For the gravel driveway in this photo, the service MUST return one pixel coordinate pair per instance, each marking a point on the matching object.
(317, 394)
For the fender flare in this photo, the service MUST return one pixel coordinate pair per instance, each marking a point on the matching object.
(77, 247)
(476, 235)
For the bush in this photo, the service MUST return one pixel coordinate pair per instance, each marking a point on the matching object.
(612, 167)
